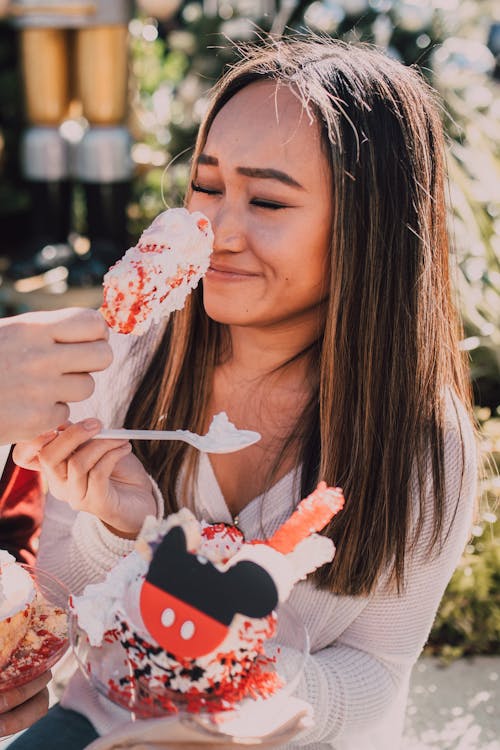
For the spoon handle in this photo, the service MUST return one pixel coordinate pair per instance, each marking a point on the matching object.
(140, 435)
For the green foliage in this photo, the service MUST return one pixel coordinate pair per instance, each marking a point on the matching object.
(474, 168)
(468, 620)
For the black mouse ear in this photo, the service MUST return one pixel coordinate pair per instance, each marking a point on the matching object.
(250, 589)
(170, 552)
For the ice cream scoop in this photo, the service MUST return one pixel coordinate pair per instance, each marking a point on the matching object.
(155, 276)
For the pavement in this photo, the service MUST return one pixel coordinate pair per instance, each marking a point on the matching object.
(455, 707)
(450, 708)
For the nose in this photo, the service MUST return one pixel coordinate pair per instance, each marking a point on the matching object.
(228, 228)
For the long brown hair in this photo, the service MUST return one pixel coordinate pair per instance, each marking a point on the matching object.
(390, 347)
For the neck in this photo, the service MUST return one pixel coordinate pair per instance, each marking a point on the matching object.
(259, 351)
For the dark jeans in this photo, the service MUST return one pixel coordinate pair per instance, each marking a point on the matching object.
(60, 729)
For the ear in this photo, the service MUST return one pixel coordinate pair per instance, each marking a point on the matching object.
(170, 552)
(251, 589)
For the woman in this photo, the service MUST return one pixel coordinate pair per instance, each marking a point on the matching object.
(325, 323)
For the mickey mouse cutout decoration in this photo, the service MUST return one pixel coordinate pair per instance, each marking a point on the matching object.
(187, 604)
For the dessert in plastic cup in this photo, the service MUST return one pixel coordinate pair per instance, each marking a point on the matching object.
(33, 622)
(110, 672)
(195, 619)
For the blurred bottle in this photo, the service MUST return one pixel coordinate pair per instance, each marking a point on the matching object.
(494, 47)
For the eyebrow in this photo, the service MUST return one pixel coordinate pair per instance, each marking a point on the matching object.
(255, 172)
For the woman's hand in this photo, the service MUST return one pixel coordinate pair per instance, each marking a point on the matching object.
(47, 358)
(20, 707)
(101, 477)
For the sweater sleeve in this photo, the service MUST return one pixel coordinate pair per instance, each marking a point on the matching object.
(356, 682)
(78, 548)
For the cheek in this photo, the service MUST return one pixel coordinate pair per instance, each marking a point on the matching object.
(318, 248)
(274, 242)
(298, 254)
(306, 271)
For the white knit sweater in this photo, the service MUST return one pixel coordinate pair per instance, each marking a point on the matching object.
(362, 648)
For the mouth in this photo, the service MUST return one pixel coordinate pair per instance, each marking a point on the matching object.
(227, 272)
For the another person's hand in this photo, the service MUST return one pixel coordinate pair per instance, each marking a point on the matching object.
(101, 477)
(20, 707)
(46, 360)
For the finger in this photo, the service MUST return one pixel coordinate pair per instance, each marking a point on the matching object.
(68, 441)
(26, 454)
(25, 715)
(104, 468)
(84, 357)
(63, 426)
(9, 699)
(75, 387)
(81, 464)
(80, 324)
(83, 460)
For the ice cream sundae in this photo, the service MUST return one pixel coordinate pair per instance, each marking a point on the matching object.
(194, 604)
(33, 629)
(17, 593)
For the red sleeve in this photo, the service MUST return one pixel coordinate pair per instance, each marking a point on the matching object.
(21, 510)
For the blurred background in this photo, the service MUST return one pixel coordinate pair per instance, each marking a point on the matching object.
(99, 106)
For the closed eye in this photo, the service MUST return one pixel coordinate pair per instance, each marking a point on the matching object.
(259, 202)
(267, 204)
(199, 189)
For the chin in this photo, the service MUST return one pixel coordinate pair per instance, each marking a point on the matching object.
(227, 312)
(225, 317)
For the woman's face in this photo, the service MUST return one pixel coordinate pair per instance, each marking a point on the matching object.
(264, 183)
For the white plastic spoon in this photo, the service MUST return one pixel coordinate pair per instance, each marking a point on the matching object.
(222, 436)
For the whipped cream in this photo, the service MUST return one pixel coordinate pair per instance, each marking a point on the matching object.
(17, 590)
(97, 606)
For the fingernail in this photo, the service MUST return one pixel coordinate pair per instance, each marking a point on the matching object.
(91, 424)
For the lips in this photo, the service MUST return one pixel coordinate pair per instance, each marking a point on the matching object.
(230, 271)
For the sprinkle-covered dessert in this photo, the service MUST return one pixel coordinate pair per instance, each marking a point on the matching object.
(17, 592)
(33, 631)
(155, 277)
(195, 604)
